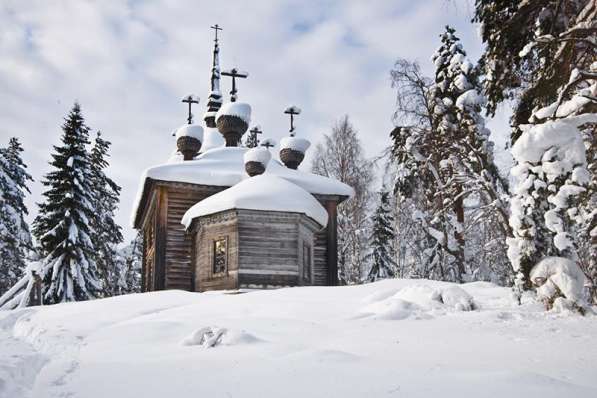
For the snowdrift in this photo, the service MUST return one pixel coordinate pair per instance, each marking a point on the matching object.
(413, 338)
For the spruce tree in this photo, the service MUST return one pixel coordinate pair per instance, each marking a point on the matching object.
(450, 82)
(15, 238)
(62, 227)
(133, 257)
(106, 235)
(465, 154)
(382, 256)
(443, 158)
(531, 48)
(543, 54)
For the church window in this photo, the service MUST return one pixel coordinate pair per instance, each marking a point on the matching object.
(220, 255)
(306, 262)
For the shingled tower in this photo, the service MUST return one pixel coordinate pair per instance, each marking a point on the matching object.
(214, 100)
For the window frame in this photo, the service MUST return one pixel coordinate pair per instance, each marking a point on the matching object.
(307, 263)
(214, 255)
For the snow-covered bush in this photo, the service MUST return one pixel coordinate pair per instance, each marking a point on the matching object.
(559, 282)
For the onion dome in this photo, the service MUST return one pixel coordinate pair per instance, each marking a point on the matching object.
(189, 139)
(256, 160)
(292, 151)
(232, 121)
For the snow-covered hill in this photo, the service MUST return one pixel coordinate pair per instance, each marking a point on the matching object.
(403, 338)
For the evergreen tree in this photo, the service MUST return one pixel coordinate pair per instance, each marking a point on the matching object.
(467, 162)
(542, 53)
(443, 159)
(105, 235)
(15, 238)
(531, 48)
(382, 256)
(451, 81)
(133, 256)
(62, 227)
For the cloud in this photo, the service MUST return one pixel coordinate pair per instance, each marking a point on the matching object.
(129, 63)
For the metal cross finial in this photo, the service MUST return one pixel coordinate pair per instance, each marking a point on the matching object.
(268, 143)
(234, 73)
(292, 110)
(216, 27)
(252, 140)
(190, 99)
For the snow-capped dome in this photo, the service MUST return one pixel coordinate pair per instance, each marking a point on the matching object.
(265, 192)
(190, 130)
(240, 109)
(295, 143)
(259, 154)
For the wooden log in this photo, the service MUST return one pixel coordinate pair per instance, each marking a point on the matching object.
(161, 231)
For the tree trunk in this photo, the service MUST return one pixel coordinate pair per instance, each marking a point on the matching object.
(459, 235)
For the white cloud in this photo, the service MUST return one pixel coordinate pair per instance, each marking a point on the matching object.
(129, 63)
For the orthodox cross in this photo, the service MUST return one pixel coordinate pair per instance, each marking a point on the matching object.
(216, 27)
(292, 110)
(234, 73)
(190, 99)
(252, 140)
(268, 143)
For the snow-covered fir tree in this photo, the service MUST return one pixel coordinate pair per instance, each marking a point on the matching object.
(530, 50)
(133, 257)
(15, 238)
(444, 159)
(466, 166)
(543, 55)
(548, 215)
(105, 235)
(381, 241)
(587, 241)
(341, 156)
(62, 227)
(451, 71)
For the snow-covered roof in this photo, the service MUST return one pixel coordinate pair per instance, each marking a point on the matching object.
(264, 192)
(190, 130)
(239, 109)
(212, 138)
(225, 167)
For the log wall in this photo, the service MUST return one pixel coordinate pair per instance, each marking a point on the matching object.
(218, 226)
(181, 197)
(169, 259)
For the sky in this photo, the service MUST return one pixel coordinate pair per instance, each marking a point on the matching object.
(129, 63)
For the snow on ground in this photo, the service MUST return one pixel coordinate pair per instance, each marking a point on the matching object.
(402, 338)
